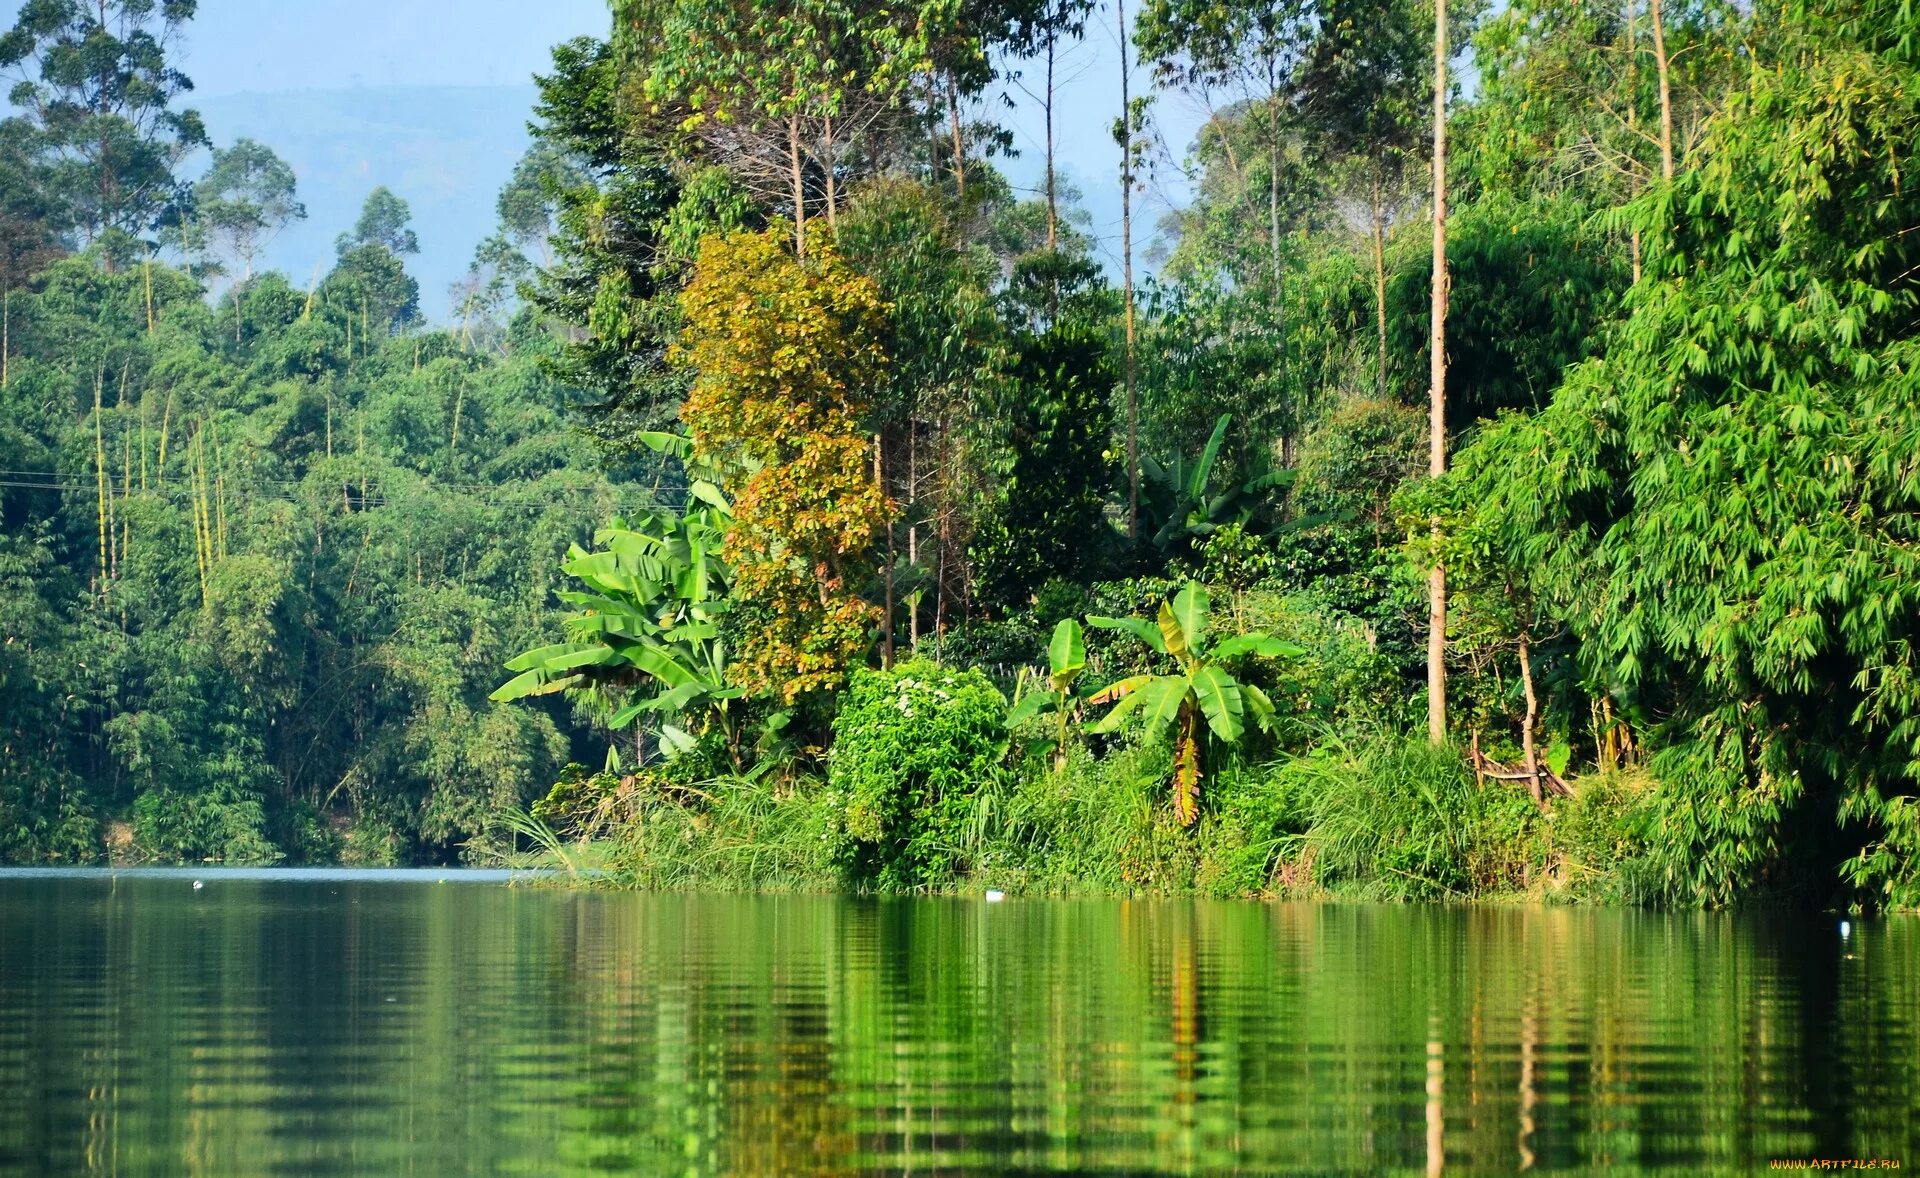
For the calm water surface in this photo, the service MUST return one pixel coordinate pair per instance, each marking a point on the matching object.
(334, 1023)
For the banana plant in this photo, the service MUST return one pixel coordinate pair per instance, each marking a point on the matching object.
(1198, 692)
(645, 641)
(1180, 502)
(1066, 659)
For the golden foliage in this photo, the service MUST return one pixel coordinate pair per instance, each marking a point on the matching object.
(783, 351)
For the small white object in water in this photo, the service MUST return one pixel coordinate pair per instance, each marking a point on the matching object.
(197, 885)
(995, 896)
(1846, 930)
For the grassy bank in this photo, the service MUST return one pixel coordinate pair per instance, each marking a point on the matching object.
(1378, 817)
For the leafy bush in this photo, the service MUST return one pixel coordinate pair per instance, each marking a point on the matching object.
(911, 748)
(1001, 647)
(1599, 837)
(1342, 678)
(1251, 834)
(1096, 825)
(223, 824)
(1399, 818)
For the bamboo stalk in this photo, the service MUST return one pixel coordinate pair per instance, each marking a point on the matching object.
(166, 419)
(459, 402)
(201, 533)
(126, 479)
(220, 496)
(100, 475)
(126, 490)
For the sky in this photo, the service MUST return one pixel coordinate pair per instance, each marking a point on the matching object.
(359, 93)
(269, 46)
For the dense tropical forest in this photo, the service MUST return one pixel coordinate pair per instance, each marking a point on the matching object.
(1502, 476)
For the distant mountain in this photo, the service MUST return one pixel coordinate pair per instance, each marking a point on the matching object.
(445, 149)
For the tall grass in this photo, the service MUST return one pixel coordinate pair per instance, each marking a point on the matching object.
(1379, 816)
(1393, 817)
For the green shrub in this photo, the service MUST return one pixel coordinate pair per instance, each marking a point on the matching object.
(223, 824)
(1251, 833)
(912, 747)
(744, 833)
(1097, 825)
(1397, 818)
(1004, 646)
(1342, 680)
(1599, 838)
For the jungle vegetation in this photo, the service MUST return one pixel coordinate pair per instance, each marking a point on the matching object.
(1510, 487)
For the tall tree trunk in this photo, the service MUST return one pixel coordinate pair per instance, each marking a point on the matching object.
(1126, 270)
(880, 480)
(798, 177)
(1633, 124)
(1053, 200)
(1273, 183)
(100, 476)
(827, 164)
(1279, 304)
(959, 142)
(1529, 753)
(1437, 384)
(913, 528)
(1380, 285)
(1666, 91)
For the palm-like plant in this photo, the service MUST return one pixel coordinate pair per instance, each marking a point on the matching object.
(1198, 691)
(1181, 503)
(648, 624)
(1066, 659)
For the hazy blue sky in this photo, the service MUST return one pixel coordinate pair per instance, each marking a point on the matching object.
(358, 93)
(238, 46)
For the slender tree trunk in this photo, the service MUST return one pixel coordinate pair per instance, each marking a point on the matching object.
(1437, 384)
(1126, 270)
(1633, 124)
(1529, 752)
(166, 420)
(913, 528)
(1666, 91)
(459, 403)
(880, 480)
(959, 141)
(6, 339)
(1273, 187)
(828, 163)
(1380, 285)
(798, 177)
(1053, 199)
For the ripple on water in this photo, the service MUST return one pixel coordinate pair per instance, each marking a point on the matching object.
(342, 1023)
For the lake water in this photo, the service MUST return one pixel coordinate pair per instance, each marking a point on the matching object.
(396, 1024)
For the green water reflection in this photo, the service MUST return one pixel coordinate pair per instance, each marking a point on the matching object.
(323, 1026)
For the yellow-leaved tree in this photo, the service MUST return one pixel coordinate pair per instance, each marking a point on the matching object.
(782, 351)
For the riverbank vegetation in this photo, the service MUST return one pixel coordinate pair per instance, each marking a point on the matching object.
(843, 515)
